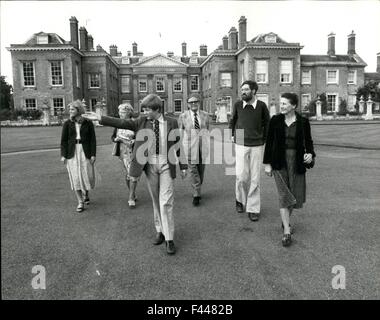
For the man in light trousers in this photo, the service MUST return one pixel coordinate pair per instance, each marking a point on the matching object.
(251, 116)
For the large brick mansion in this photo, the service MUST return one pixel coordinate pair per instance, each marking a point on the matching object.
(51, 72)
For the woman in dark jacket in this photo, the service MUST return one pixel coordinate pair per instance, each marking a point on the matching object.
(288, 151)
(78, 152)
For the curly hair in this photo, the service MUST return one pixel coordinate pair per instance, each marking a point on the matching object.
(126, 107)
(79, 105)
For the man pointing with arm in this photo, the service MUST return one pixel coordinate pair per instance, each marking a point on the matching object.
(161, 137)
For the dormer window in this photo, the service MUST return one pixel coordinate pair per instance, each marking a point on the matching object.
(125, 60)
(193, 60)
(43, 39)
(271, 38)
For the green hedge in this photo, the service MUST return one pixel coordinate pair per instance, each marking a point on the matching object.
(7, 114)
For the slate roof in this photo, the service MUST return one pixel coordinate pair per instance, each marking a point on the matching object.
(326, 58)
(53, 39)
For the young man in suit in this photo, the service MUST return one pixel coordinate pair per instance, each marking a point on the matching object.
(195, 125)
(155, 152)
(251, 116)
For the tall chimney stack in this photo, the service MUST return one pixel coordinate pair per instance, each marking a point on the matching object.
(242, 31)
(134, 49)
(113, 50)
(203, 50)
(351, 43)
(331, 44)
(233, 39)
(74, 32)
(378, 63)
(83, 38)
(90, 43)
(184, 54)
(225, 43)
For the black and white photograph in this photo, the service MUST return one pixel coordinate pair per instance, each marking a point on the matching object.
(190, 154)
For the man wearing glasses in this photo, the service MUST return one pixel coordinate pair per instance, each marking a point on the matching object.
(195, 125)
(252, 117)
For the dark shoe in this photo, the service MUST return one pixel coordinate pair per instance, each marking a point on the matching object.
(196, 201)
(286, 240)
(159, 238)
(86, 198)
(253, 216)
(290, 227)
(170, 248)
(239, 207)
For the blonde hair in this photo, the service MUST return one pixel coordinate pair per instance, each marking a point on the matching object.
(126, 107)
(79, 105)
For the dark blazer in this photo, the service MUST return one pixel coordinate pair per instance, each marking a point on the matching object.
(87, 135)
(137, 167)
(274, 153)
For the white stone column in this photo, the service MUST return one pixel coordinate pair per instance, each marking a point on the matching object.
(184, 88)
(361, 104)
(136, 106)
(170, 94)
(272, 109)
(369, 115)
(99, 111)
(319, 109)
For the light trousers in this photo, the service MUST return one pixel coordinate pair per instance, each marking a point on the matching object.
(161, 189)
(197, 170)
(248, 169)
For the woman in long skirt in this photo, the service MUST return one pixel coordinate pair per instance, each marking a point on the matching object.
(288, 152)
(78, 152)
(124, 141)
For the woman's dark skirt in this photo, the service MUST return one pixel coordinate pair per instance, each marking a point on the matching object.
(291, 186)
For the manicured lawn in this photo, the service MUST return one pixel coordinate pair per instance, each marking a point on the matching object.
(107, 252)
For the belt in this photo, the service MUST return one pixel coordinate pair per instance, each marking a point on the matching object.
(78, 141)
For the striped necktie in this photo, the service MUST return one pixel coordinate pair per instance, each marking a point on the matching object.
(196, 123)
(157, 135)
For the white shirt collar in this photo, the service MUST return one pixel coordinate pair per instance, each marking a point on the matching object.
(252, 104)
(160, 118)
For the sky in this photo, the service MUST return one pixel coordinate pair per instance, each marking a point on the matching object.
(161, 26)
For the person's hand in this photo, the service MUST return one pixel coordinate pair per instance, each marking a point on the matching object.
(91, 116)
(307, 158)
(116, 139)
(183, 174)
(92, 160)
(268, 170)
(64, 160)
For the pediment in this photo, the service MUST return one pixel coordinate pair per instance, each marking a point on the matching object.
(160, 61)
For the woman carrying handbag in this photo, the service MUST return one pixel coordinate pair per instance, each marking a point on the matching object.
(288, 152)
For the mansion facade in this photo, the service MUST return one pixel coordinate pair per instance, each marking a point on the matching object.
(49, 72)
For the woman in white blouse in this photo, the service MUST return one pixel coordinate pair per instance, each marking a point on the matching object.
(78, 152)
